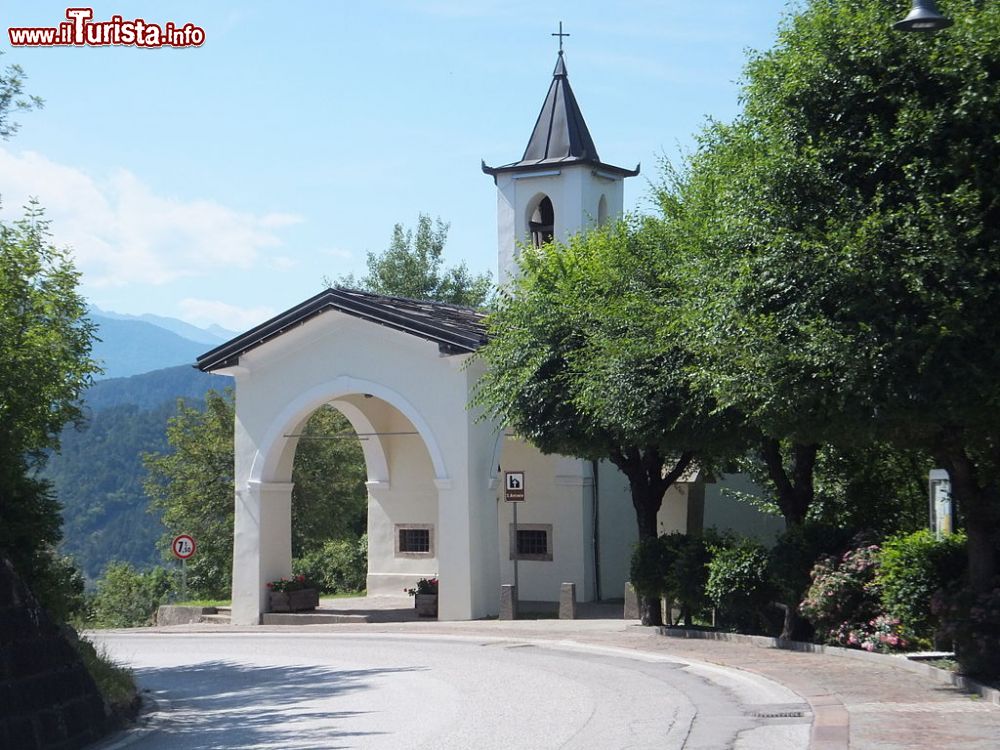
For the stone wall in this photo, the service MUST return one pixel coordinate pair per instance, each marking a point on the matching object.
(48, 700)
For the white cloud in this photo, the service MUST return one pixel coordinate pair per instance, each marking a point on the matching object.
(122, 233)
(203, 312)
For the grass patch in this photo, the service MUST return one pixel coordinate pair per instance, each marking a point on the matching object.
(203, 603)
(114, 681)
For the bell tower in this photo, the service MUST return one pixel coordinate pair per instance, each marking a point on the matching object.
(560, 187)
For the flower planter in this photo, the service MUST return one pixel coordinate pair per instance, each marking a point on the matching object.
(293, 601)
(426, 604)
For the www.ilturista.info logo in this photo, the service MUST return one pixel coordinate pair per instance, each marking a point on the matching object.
(80, 30)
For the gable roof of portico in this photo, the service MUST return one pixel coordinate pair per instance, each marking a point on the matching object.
(454, 328)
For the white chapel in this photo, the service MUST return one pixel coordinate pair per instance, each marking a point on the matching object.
(402, 372)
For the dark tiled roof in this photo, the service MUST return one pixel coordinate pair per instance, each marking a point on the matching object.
(455, 329)
(560, 135)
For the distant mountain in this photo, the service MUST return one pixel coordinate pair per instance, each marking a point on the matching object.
(98, 474)
(213, 335)
(131, 347)
(152, 389)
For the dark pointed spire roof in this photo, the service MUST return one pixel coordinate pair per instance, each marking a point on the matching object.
(560, 135)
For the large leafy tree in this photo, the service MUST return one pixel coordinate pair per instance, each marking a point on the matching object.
(413, 266)
(45, 343)
(848, 227)
(582, 361)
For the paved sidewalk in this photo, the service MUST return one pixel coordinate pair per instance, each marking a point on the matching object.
(856, 704)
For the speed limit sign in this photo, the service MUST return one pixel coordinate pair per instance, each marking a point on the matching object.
(183, 546)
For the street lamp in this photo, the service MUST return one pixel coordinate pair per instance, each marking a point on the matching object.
(923, 16)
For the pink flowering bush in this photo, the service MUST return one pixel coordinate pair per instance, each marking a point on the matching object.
(844, 603)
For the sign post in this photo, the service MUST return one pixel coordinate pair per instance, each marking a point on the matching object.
(513, 490)
(183, 546)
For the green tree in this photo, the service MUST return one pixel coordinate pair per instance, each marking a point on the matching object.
(413, 266)
(582, 361)
(329, 499)
(14, 99)
(128, 598)
(192, 487)
(45, 342)
(853, 236)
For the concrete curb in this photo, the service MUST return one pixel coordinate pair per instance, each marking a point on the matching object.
(900, 661)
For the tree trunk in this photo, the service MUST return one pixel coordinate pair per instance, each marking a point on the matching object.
(648, 481)
(793, 485)
(980, 507)
(791, 621)
(646, 508)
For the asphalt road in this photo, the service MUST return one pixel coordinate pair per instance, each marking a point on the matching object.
(323, 691)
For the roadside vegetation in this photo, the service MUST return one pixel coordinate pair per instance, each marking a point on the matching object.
(821, 277)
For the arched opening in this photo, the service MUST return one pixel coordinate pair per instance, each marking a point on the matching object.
(364, 496)
(541, 222)
(602, 211)
(330, 504)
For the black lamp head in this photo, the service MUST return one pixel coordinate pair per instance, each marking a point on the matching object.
(923, 16)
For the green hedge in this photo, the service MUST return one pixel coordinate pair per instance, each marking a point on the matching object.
(913, 567)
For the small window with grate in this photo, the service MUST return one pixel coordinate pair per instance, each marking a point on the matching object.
(531, 542)
(414, 539)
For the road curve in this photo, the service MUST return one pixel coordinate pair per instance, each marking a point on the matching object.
(328, 690)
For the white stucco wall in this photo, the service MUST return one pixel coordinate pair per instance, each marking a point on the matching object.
(618, 526)
(558, 493)
(725, 512)
(575, 192)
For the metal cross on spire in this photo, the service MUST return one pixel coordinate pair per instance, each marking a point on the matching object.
(560, 35)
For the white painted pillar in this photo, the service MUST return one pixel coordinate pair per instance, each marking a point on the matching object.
(453, 553)
(262, 546)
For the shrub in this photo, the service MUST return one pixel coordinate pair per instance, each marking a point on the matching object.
(127, 598)
(790, 564)
(972, 621)
(739, 587)
(339, 566)
(58, 585)
(844, 602)
(913, 567)
(674, 566)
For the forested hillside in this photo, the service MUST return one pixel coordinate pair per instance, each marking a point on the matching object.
(98, 474)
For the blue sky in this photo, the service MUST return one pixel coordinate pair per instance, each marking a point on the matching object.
(219, 184)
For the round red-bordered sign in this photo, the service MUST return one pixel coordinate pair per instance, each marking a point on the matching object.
(183, 546)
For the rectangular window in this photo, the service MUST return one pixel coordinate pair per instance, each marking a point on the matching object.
(532, 541)
(414, 540)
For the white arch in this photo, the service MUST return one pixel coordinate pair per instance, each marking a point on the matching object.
(371, 446)
(268, 456)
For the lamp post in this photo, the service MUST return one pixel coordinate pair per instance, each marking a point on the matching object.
(923, 16)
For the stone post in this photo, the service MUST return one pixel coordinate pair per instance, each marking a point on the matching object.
(631, 603)
(567, 601)
(508, 602)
